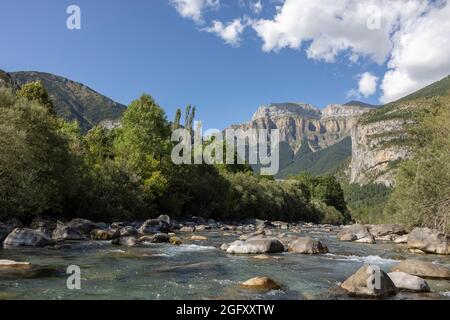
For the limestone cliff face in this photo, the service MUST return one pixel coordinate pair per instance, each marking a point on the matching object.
(298, 122)
(378, 146)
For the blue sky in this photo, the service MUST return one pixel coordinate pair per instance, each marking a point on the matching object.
(128, 47)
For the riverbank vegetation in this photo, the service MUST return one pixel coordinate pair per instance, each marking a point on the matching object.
(47, 167)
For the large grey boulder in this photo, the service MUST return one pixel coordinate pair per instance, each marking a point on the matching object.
(164, 218)
(429, 240)
(353, 233)
(75, 230)
(307, 246)
(256, 246)
(128, 231)
(423, 269)
(361, 284)
(154, 226)
(27, 237)
(409, 282)
(44, 224)
(387, 231)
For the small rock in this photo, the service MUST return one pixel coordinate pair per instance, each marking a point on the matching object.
(408, 282)
(156, 238)
(128, 231)
(164, 218)
(126, 241)
(104, 235)
(368, 239)
(224, 247)
(187, 229)
(198, 238)
(154, 226)
(175, 241)
(261, 283)
(422, 269)
(10, 264)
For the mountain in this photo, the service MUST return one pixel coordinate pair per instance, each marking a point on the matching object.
(326, 160)
(73, 100)
(6, 81)
(360, 104)
(380, 140)
(306, 131)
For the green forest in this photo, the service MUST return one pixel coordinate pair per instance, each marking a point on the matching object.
(48, 167)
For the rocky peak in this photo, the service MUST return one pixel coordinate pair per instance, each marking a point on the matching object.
(291, 109)
(339, 110)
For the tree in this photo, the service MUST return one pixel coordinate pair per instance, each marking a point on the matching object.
(177, 121)
(36, 92)
(36, 163)
(422, 193)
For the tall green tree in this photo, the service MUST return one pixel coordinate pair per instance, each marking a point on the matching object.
(36, 92)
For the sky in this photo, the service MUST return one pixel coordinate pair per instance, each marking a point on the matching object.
(227, 57)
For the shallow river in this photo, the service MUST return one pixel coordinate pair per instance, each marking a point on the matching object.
(197, 270)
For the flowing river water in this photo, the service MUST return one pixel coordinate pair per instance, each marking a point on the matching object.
(198, 270)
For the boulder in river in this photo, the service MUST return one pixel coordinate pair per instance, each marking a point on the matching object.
(261, 283)
(429, 241)
(126, 241)
(10, 264)
(175, 241)
(156, 238)
(187, 229)
(128, 231)
(154, 226)
(28, 237)
(401, 239)
(198, 238)
(382, 230)
(353, 233)
(307, 246)
(164, 218)
(368, 239)
(409, 282)
(77, 229)
(256, 246)
(362, 284)
(44, 224)
(105, 234)
(422, 269)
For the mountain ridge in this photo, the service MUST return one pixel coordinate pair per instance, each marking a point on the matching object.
(72, 100)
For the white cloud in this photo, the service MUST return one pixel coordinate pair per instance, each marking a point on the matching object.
(230, 32)
(328, 28)
(256, 6)
(421, 55)
(193, 9)
(367, 85)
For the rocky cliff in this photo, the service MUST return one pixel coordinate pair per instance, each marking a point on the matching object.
(303, 127)
(299, 122)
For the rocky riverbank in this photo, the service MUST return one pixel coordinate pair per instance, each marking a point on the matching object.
(259, 240)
